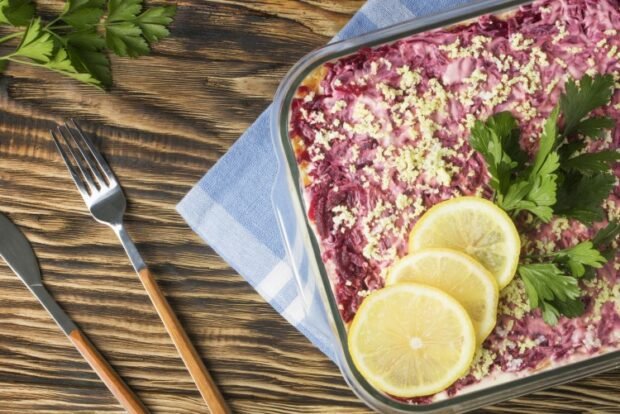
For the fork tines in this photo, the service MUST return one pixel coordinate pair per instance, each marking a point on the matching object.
(87, 167)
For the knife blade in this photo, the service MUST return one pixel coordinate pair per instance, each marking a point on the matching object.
(16, 251)
(18, 254)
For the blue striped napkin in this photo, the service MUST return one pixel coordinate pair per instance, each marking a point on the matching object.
(230, 208)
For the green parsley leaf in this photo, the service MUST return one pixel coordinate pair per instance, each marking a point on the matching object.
(129, 32)
(545, 284)
(595, 127)
(486, 140)
(86, 39)
(594, 162)
(548, 140)
(571, 308)
(578, 102)
(544, 187)
(36, 44)
(550, 314)
(513, 200)
(85, 50)
(551, 311)
(16, 12)
(603, 242)
(540, 198)
(125, 39)
(607, 235)
(544, 213)
(154, 22)
(570, 149)
(581, 197)
(505, 126)
(507, 129)
(537, 192)
(62, 63)
(582, 255)
(82, 14)
(123, 10)
(536, 195)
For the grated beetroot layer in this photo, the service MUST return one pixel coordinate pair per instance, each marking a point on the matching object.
(382, 137)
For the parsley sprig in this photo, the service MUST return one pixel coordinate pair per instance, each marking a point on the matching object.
(560, 181)
(76, 43)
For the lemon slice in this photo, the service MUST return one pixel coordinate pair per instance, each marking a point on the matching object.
(474, 226)
(457, 274)
(410, 340)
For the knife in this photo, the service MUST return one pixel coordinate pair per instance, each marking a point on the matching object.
(18, 254)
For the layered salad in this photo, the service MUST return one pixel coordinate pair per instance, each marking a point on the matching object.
(385, 134)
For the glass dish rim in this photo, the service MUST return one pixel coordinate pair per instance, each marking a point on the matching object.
(282, 145)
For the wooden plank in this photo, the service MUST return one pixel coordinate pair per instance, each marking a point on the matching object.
(167, 120)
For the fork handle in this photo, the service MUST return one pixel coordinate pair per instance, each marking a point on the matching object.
(204, 382)
(110, 378)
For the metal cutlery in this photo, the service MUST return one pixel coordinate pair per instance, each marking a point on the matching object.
(105, 199)
(17, 252)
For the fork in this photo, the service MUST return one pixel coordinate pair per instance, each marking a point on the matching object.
(105, 199)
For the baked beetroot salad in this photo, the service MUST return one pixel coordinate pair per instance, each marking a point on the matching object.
(382, 135)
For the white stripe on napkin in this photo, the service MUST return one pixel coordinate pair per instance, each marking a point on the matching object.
(275, 280)
(295, 312)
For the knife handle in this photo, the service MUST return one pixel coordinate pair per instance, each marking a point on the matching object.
(203, 380)
(110, 378)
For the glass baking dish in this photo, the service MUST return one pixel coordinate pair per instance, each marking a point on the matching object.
(303, 249)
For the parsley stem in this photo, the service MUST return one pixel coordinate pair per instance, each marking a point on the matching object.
(39, 65)
(538, 257)
(10, 36)
(47, 26)
(25, 62)
(66, 26)
(101, 25)
(31, 63)
(60, 38)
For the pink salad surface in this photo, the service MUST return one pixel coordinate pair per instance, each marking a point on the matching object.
(382, 135)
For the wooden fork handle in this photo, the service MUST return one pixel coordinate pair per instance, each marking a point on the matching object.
(110, 378)
(205, 384)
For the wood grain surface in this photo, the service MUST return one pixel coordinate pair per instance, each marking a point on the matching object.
(166, 121)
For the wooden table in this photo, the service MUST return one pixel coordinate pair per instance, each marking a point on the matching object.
(166, 121)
